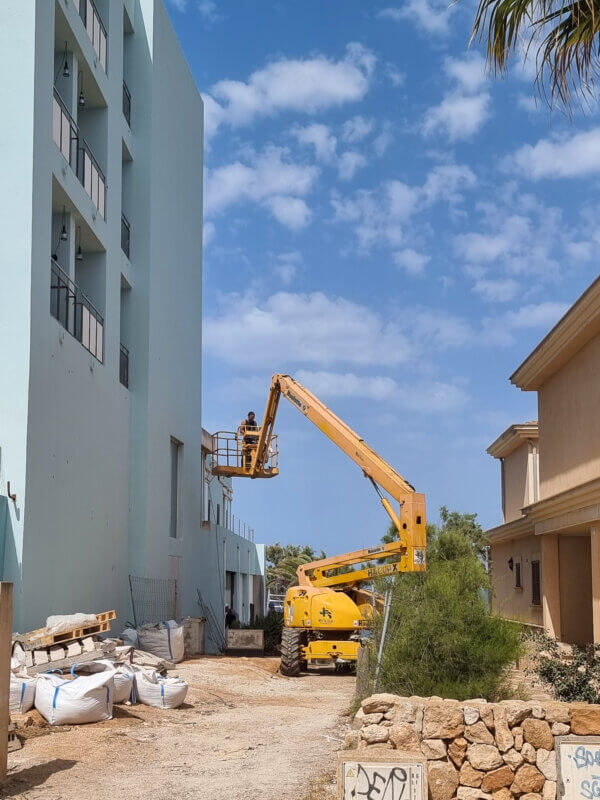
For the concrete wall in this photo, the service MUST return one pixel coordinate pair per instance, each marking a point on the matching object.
(516, 482)
(507, 600)
(17, 46)
(570, 423)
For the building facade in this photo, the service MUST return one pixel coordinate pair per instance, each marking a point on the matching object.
(546, 554)
(101, 465)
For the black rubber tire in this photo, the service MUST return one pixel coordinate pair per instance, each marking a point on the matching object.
(291, 652)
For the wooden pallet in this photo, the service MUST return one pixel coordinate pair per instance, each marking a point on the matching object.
(34, 640)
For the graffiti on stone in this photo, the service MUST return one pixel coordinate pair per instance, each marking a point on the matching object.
(382, 781)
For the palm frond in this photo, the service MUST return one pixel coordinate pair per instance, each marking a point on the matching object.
(564, 35)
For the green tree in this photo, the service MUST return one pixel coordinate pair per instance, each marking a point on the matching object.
(562, 38)
(284, 560)
(442, 638)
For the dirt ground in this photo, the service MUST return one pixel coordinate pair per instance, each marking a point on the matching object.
(244, 732)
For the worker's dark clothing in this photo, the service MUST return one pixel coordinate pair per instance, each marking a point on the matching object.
(247, 426)
(229, 618)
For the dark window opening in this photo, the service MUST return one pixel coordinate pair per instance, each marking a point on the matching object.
(536, 595)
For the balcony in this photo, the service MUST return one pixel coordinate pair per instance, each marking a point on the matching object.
(78, 154)
(125, 235)
(124, 366)
(126, 104)
(95, 29)
(75, 312)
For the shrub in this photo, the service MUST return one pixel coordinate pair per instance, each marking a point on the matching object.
(272, 625)
(573, 677)
(442, 638)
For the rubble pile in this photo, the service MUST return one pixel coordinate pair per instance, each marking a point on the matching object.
(475, 750)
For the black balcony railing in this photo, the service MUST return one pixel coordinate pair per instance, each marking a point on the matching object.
(95, 29)
(125, 235)
(124, 366)
(78, 153)
(64, 130)
(126, 103)
(75, 312)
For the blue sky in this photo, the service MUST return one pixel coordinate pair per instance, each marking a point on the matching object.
(389, 225)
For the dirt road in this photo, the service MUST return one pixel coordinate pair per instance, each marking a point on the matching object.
(244, 733)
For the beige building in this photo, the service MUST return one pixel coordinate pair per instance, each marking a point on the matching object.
(546, 554)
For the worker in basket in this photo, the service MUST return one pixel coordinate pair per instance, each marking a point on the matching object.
(248, 438)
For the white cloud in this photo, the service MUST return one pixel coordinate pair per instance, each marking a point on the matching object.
(528, 103)
(287, 265)
(468, 72)
(356, 129)
(208, 233)
(411, 261)
(574, 156)
(503, 329)
(458, 115)
(348, 163)
(301, 85)
(378, 216)
(534, 316)
(432, 18)
(396, 77)
(208, 10)
(431, 397)
(437, 329)
(463, 110)
(383, 140)
(325, 145)
(496, 291)
(320, 137)
(288, 330)
(290, 211)
(269, 179)
(180, 5)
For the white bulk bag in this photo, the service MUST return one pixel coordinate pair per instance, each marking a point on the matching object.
(164, 640)
(22, 693)
(60, 623)
(129, 637)
(154, 690)
(86, 698)
(123, 676)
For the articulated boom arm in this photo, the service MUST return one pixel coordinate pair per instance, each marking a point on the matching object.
(410, 523)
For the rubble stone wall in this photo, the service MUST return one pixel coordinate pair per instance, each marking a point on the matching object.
(475, 749)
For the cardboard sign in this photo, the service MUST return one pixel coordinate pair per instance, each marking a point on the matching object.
(578, 767)
(381, 775)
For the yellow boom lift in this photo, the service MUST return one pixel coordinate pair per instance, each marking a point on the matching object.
(328, 613)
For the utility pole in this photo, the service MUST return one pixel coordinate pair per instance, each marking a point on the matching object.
(6, 621)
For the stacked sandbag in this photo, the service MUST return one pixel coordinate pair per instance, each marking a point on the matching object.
(152, 689)
(86, 698)
(22, 693)
(165, 640)
(123, 676)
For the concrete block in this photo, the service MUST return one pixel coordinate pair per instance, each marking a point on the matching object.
(73, 649)
(40, 657)
(57, 652)
(88, 644)
(29, 658)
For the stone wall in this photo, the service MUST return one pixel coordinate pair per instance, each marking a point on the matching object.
(475, 749)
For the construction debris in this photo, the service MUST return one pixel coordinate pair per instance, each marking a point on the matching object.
(68, 639)
(41, 638)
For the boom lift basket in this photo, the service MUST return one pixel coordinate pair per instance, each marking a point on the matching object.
(234, 455)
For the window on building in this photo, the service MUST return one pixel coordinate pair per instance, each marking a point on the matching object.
(175, 459)
(518, 582)
(536, 594)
